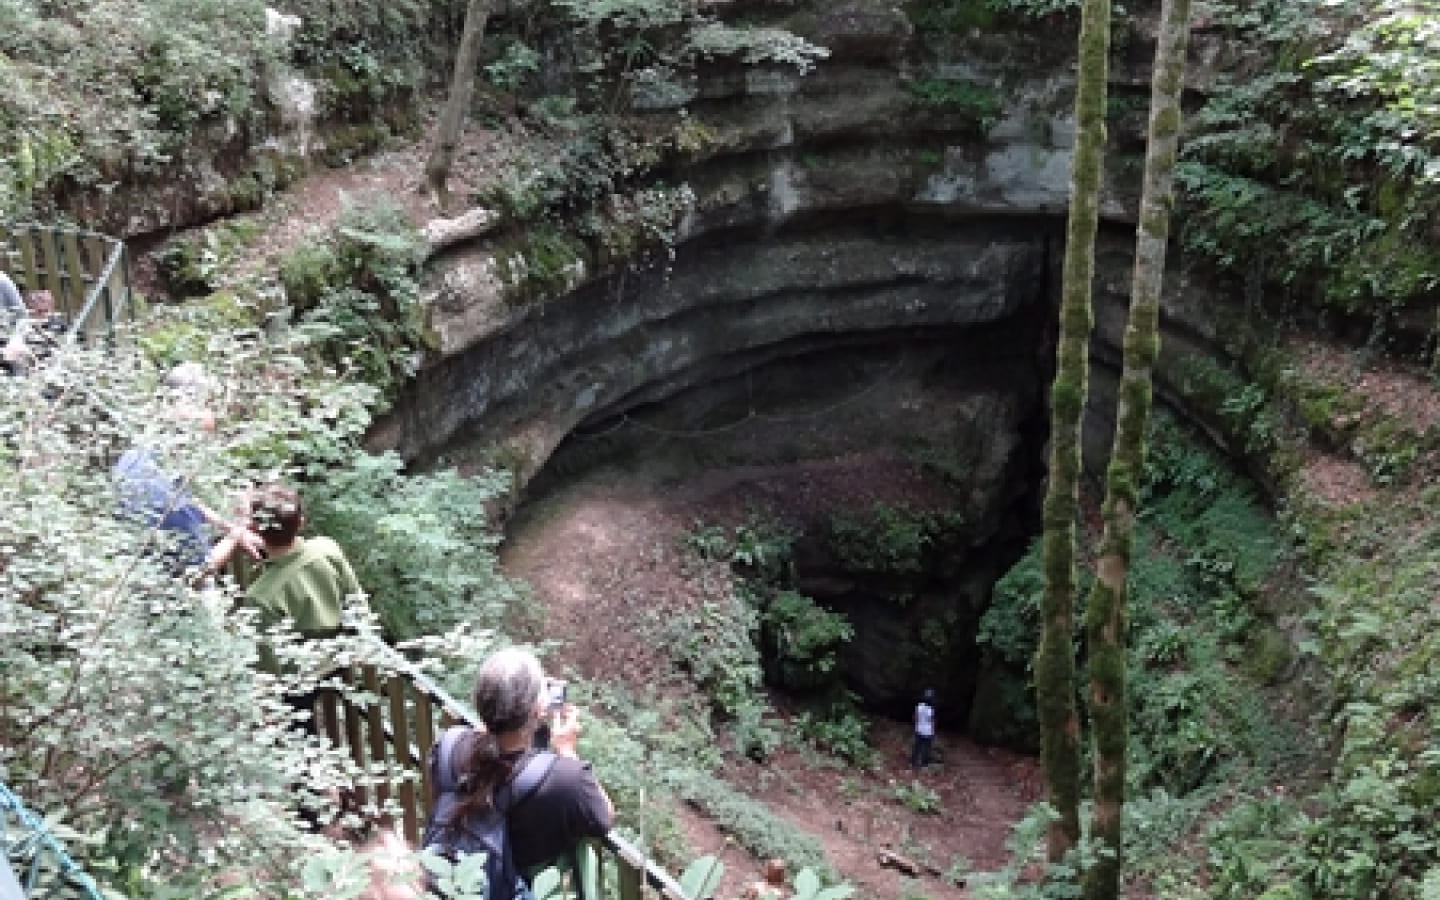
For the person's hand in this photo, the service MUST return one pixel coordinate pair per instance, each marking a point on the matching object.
(248, 541)
(565, 730)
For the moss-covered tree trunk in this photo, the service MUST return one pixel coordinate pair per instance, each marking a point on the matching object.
(1055, 660)
(457, 104)
(1106, 614)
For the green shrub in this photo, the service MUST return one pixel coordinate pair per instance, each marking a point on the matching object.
(753, 825)
(357, 288)
(420, 543)
(132, 709)
(977, 103)
(917, 797)
(884, 538)
(838, 727)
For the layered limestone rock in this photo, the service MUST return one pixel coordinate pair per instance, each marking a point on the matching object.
(836, 224)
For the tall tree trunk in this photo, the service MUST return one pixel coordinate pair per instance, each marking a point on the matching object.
(1055, 661)
(1106, 615)
(457, 104)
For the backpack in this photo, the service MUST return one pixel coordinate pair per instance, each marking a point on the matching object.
(486, 834)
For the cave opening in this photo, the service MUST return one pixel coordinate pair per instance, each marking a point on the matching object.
(949, 424)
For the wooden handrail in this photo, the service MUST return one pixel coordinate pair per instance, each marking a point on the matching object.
(397, 723)
(84, 271)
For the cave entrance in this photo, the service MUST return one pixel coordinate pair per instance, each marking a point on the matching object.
(903, 470)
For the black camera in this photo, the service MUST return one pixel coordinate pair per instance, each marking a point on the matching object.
(554, 702)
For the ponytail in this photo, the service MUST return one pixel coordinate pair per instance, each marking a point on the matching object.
(481, 769)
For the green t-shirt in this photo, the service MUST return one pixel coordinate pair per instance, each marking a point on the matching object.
(308, 584)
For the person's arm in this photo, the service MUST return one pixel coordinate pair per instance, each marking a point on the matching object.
(15, 349)
(564, 735)
(236, 536)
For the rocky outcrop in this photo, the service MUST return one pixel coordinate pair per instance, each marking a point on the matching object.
(907, 195)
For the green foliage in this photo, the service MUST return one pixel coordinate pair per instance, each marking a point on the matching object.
(716, 645)
(952, 16)
(1322, 155)
(702, 876)
(840, 728)
(754, 826)
(1010, 625)
(643, 52)
(979, 104)
(808, 886)
(1204, 550)
(808, 636)
(514, 66)
(132, 708)
(1035, 8)
(358, 286)
(886, 538)
(420, 543)
(917, 797)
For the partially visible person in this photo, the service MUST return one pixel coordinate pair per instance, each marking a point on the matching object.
(155, 496)
(32, 333)
(303, 579)
(924, 730)
(10, 302)
(567, 806)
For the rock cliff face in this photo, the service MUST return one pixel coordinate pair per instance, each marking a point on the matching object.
(840, 224)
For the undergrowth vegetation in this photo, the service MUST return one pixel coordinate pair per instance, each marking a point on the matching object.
(132, 711)
(1207, 659)
(1328, 153)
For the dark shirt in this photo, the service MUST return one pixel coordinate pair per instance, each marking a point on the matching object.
(567, 807)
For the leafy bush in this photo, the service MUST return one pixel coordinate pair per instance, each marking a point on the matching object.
(917, 797)
(132, 709)
(754, 826)
(358, 286)
(884, 538)
(420, 543)
(977, 103)
(839, 728)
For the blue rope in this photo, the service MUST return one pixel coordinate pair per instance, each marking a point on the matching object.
(35, 841)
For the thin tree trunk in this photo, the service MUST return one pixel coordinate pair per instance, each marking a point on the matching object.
(1055, 661)
(1106, 615)
(457, 104)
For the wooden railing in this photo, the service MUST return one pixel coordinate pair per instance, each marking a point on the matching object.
(393, 724)
(87, 274)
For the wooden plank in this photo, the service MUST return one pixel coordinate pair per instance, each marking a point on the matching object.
(50, 278)
(400, 735)
(355, 738)
(376, 730)
(77, 285)
(119, 289)
(24, 239)
(327, 704)
(96, 250)
(424, 740)
(628, 879)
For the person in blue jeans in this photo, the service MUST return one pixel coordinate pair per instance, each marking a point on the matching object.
(924, 730)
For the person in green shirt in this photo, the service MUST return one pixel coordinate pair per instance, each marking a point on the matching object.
(303, 579)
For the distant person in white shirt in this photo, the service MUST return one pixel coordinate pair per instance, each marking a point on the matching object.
(924, 730)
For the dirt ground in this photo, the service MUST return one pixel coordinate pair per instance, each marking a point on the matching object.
(608, 551)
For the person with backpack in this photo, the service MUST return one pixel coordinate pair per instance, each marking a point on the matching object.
(495, 793)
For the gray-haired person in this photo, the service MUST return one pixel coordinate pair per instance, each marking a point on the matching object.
(569, 804)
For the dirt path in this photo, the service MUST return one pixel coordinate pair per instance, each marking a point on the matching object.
(606, 554)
